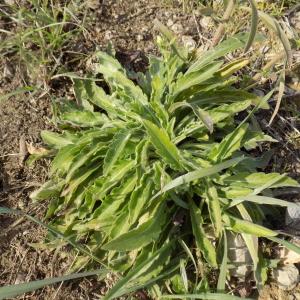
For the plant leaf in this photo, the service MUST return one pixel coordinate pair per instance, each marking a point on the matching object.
(163, 145)
(242, 226)
(194, 175)
(254, 24)
(203, 243)
(115, 150)
(12, 291)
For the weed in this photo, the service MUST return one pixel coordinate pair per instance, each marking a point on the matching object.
(152, 170)
(39, 31)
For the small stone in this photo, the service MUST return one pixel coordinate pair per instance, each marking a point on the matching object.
(8, 71)
(139, 37)
(287, 277)
(189, 42)
(177, 28)
(108, 35)
(93, 4)
(206, 22)
(20, 279)
(170, 22)
(9, 2)
(259, 93)
(292, 217)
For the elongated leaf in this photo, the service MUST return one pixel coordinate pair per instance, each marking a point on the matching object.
(184, 277)
(275, 26)
(252, 245)
(191, 79)
(229, 45)
(231, 143)
(201, 114)
(224, 96)
(163, 145)
(19, 289)
(223, 267)
(280, 94)
(48, 190)
(136, 271)
(203, 296)
(254, 24)
(115, 150)
(285, 243)
(242, 226)
(214, 208)
(203, 243)
(262, 200)
(190, 255)
(84, 118)
(56, 140)
(191, 176)
(227, 110)
(259, 179)
(139, 237)
(16, 92)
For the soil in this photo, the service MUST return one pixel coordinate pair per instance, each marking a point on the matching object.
(128, 25)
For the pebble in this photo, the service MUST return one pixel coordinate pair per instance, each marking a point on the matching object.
(93, 4)
(9, 2)
(108, 35)
(287, 277)
(20, 279)
(139, 37)
(292, 217)
(170, 22)
(189, 42)
(206, 22)
(177, 28)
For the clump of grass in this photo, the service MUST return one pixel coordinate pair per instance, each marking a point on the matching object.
(152, 170)
(39, 33)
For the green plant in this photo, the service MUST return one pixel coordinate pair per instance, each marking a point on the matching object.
(40, 30)
(152, 173)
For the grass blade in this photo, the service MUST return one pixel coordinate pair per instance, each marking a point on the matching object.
(285, 243)
(134, 273)
(223, 267)
(262, 200)
(280, 95)
(254, 23)
(202, 242)
(203, 296)
(19, 289)
(16, 92)
(194, 175)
